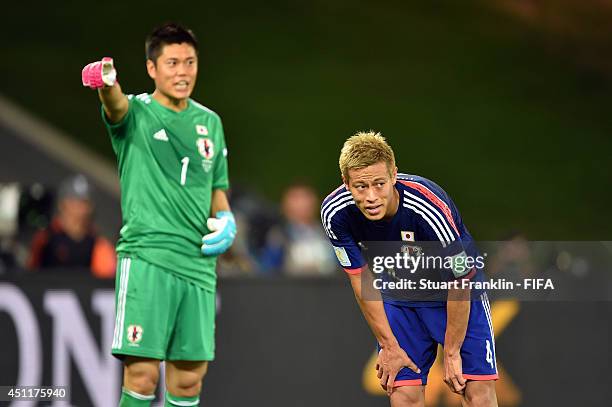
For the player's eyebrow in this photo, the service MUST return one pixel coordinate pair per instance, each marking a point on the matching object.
(176, 59)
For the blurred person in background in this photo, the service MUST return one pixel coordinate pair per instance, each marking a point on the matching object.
(237, 261)
(71, 240)
(9, 215)
(298, 246)
(513, 260)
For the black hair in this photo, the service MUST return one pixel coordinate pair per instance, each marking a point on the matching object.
(165, 34)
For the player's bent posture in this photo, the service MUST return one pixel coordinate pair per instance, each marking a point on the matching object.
(375, 203)
(172, 163)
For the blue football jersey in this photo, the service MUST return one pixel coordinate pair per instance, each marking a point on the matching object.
(425, 214)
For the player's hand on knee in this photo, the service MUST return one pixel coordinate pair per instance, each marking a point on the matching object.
(453, 373)
(99, 74)
(390, 361)
(223, 232)
(378, 367)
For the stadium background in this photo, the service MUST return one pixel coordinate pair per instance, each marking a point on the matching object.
(505, 104)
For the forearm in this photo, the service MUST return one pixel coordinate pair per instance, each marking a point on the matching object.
(114, 101)
(457, 316)
(374, 312)
(219, 202)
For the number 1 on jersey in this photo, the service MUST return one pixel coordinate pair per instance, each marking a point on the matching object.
(185, 162)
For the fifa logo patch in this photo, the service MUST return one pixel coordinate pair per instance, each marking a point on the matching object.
(206, 165)
(201, 130)
(342, 256)
(134, 334)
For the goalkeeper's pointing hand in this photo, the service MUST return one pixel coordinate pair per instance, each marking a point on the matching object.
(99, 74)
(223, 232)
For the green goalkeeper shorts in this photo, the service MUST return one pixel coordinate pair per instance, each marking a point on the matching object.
(161, 316)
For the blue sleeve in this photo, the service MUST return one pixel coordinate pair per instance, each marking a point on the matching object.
(345, 247)
(347, 250)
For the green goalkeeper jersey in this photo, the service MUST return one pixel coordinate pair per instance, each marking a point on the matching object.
(169, 164)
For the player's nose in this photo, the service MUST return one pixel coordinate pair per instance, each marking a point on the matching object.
(181, 69)
(371, 195)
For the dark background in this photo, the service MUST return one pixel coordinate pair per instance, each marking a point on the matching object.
(505, 104)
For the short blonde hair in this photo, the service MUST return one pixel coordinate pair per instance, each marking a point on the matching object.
(363, 149)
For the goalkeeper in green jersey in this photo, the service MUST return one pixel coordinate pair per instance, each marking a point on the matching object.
(172, 162)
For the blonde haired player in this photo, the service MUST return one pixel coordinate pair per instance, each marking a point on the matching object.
(176, 219)
(377, 204)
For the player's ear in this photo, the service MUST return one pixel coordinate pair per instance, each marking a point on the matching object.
(151, 69)
(394, 175)
(345, 182)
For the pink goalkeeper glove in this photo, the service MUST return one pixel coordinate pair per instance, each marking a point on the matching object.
(99, 74)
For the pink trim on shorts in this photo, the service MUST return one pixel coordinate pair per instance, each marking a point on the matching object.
(481, 376)
(411, 382)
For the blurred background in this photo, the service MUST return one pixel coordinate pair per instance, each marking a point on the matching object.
(503, 103)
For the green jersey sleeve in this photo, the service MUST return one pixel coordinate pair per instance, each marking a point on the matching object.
(220, 172)
(121, 128)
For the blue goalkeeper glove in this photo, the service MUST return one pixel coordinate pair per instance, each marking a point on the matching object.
(223, 232)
